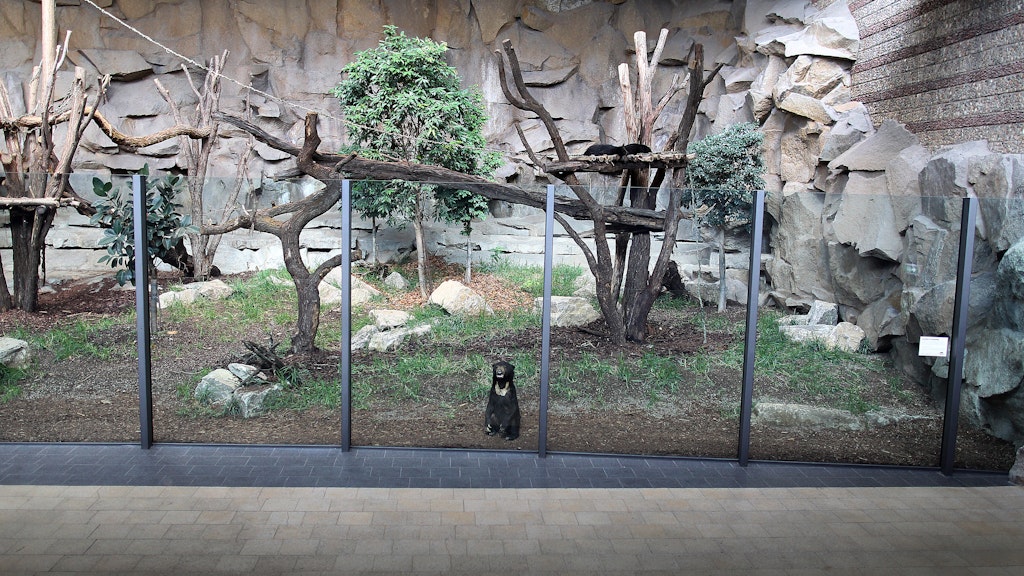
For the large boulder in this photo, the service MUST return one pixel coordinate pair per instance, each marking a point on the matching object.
(831, 32)
(458, 299)
(864, 217)
(568, 310)
(15, 353)
(799, 271)
(843, 336)
(190, 293)
(998, 181)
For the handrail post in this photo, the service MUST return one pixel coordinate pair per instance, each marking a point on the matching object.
(143, 337)
(750, 337)
(961, 299)
(346, 316)
(545, 344)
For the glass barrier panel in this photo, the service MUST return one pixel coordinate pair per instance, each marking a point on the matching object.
(676, 392)
(69, 373)
(424, 357)
(847, 382)
(226, 362)
(992, 399)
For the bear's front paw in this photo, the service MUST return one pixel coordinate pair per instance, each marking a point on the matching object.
(490, 431)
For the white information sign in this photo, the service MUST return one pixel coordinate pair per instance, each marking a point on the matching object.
(934, 346)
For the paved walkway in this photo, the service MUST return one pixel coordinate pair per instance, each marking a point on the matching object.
(86, 509)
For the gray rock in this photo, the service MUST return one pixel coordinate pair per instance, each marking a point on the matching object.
(876, 151)
(388, 340)
(211, 290)
(832, 32)
(881, 319)
(15, 353)
(849, 129)
(217, 386)
(1017, 471)
(250, 402)
(945, 181)
(865, 218)
(805, 416)
(568, 310)
(362, 337)
(994, 363)
(843, 336)
(389, 319)
(397, 281)
(998, 181)
(122, 65)
(245, 373)
(826, 313)
(1010, 297)
(806, 106)
(459, 300)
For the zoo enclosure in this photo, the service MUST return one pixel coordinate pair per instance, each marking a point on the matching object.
(956, 352)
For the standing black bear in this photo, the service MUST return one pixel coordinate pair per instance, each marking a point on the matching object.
(502, 415)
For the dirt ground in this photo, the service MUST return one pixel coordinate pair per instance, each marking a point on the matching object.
(85, 399)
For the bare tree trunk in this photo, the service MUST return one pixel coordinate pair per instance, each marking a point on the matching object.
(421, 248)
(25, 259)
(720, 235)
(469, 252)
(5, 294)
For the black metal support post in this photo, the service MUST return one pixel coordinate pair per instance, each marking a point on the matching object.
(346, 317)
(142, 310)
(961, 299)
(545, 339)
(750, 337)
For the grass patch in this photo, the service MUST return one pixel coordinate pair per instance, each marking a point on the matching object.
(79, 338)
(9, 379)
(531, 278)
(833, 377)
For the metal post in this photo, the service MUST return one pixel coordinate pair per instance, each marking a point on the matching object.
(142, 310)
(346, 317)
(957, 345)
(750, 337)
(545, 339)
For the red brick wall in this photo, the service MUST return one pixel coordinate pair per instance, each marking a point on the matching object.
(952, 71)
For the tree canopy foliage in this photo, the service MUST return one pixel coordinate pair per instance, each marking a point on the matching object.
(403, 102)
(726, 166)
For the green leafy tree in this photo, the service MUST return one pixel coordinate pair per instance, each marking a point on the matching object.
(403, 102)
(726, 168)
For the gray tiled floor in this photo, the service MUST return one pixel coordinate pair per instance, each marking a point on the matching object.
(202, 465)
(93, 509)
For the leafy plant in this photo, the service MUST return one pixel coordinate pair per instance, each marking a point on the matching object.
(166, 225)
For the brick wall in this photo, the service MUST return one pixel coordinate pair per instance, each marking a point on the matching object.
(952, 71)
